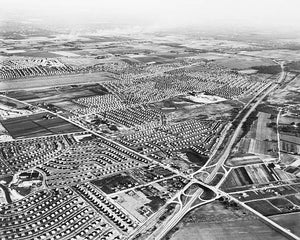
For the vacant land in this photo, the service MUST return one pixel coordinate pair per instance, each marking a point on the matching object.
(37, 125)
(243, 62)
(215, 222)
(289, 221)
(273, 69)
(294, 66)
(57, 94)
(52, 81)
(59, 98)
(181, 108)
(285, 54)
(287, 95)
(259, 138)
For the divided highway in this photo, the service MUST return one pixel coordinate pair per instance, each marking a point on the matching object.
(237, 131)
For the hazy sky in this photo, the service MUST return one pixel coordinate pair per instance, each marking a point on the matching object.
(253, 13)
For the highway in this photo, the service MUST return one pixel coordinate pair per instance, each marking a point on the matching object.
(187, 205)
(184, 208)
(224, 134)
(177, 217)
(170, 224)
(237, 131)
(259, 98)
(278, 135)
(152, 220)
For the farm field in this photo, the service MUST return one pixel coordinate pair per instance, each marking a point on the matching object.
(43, 54)
(262, 131)
(37, 125)
(58, 93)
(59, 98)
(253, 175)
(264, 207)
(259, 138)
(289, 138)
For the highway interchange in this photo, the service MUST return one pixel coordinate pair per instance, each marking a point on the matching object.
(185, 208)
(219, 157)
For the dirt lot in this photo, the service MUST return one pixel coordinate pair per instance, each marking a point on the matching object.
(180, 108)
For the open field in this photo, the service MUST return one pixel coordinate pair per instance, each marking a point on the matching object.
(80, 61)
(262, 131)
(263, 147)
(294, 66)
(181, 108)
(210, 44)
(243, 62)
(289, 55)
(38, 125)
(215, 222)
(42, 54)
(246, 230)
(59, 98)
(259, 137)
(52, 81)
(287, 95)
(58, 93)
(289, 221)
